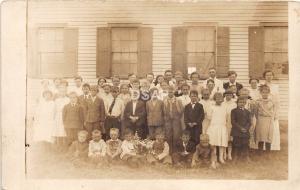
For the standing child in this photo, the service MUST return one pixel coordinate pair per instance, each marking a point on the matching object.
(114, 110)
(106, 96)
(217, 130)
(159, 149)
(82, 100)
(73, 118)
(95, 113)
(207, 104)
(193, 117)
(124, 93)
(185, 97)
(59, 130)
(78, 85)
(265, 113)
(202, 155)
(43, 123)
(184, 150)
(78, 151)
(163, 90)
(241, 123)
(97, 149)
(113, 146)
(155, 113)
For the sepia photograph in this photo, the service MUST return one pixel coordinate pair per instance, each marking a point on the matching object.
(155, 89)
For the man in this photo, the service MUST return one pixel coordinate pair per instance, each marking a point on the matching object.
(169, 77)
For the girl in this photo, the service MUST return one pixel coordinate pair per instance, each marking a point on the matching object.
(253, 90)
(101, 82)
(163, 90)
(59, 130)
(265, 112)
(207, 104)
(44, 119)
(274, 95)
(210, 85)
(217, 130)
(124, 93)
(159, 79)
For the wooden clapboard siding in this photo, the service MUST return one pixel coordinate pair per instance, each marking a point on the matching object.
(161, 17)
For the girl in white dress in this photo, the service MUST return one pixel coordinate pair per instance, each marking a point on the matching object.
(217, 129)
(207, 104)
(268, 76)
(59, 131)
(43, 123)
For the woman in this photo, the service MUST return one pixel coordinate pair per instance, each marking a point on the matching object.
(274, 88)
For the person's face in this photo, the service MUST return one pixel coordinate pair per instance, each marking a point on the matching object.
(205, 94)
(78, 83)
(128, 137)
(116, 81)
(194, 98)
(160, 79)
(150, 78)
(101, 82)
(136, 85)
(73, 99)
(85, 90)
(185, 138)
(219, 99)
(160, 138)
(185, 90)
(114, 135)
(114, 93)
(194, 78)
(228, 97)
(57, 82)
(106, 89)
(132, 78)
(212, 73)
(210, 85)
(241, 103)
(124, 89)
(97, 137)
(81, 138)
(264, 94)
(94, 92)
(135, 95)
(171, 93)
(253, 84)
(168, 76)
(204, 143)
(164, 86)
(244, 94)
(232, 78)
(269, 76)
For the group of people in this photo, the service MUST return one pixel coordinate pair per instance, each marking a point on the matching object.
(163, 119)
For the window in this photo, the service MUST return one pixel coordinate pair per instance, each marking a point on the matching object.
(52, 52)
(124, 49)
(197, 48)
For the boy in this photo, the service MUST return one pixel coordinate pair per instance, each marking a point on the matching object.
(202, 155)
(155, 113)
(185, 98)
(159, 149)
(106, 95)
(193, 116)
(116, 81)
(85, 94)
(129, 150)
(135, 115)
(73, 118)
(113, 146)
(78, 85)
(145, 90)
(241, 123)
(150, 79)
(169, 77)
(114, 109)
(135, 85)
(97, 149)
(95, 112)
(184, 150)
(232, 81)
(78, 151)
(196, 85)
(173, 111)
(131, 78)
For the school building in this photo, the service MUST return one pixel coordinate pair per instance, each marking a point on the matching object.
(102, 38)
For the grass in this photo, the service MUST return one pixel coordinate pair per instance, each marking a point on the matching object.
(274, 167)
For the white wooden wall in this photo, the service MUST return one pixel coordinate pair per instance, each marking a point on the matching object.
(161, 16)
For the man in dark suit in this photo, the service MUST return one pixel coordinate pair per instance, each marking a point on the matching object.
(135, 115)
(232, 82)
(193, 116)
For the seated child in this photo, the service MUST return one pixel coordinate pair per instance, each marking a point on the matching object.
(97, 148)
(202, 155)
(184, 150)
(129, 150)
(113, 145)
(78, 151)
(159, 149)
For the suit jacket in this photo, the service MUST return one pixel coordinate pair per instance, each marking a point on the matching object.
(240, 119)
(73, 116)
(140, 111)
(190, 148)
(95, 111)
(195, 115)
(239, 86)
(155, 113)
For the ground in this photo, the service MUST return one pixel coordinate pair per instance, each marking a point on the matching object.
(56, 166)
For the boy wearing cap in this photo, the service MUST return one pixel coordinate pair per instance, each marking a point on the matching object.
(202, 155)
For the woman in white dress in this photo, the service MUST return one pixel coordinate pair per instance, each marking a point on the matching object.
(43, 123)
(268, 76)
(59, 131)
(217, 130)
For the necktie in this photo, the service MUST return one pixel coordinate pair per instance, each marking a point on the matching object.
(112, 106)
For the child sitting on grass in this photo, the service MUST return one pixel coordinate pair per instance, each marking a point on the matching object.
(159, 149)
(78, 151)
(202, 155)
(97, 149)
(113, 146)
